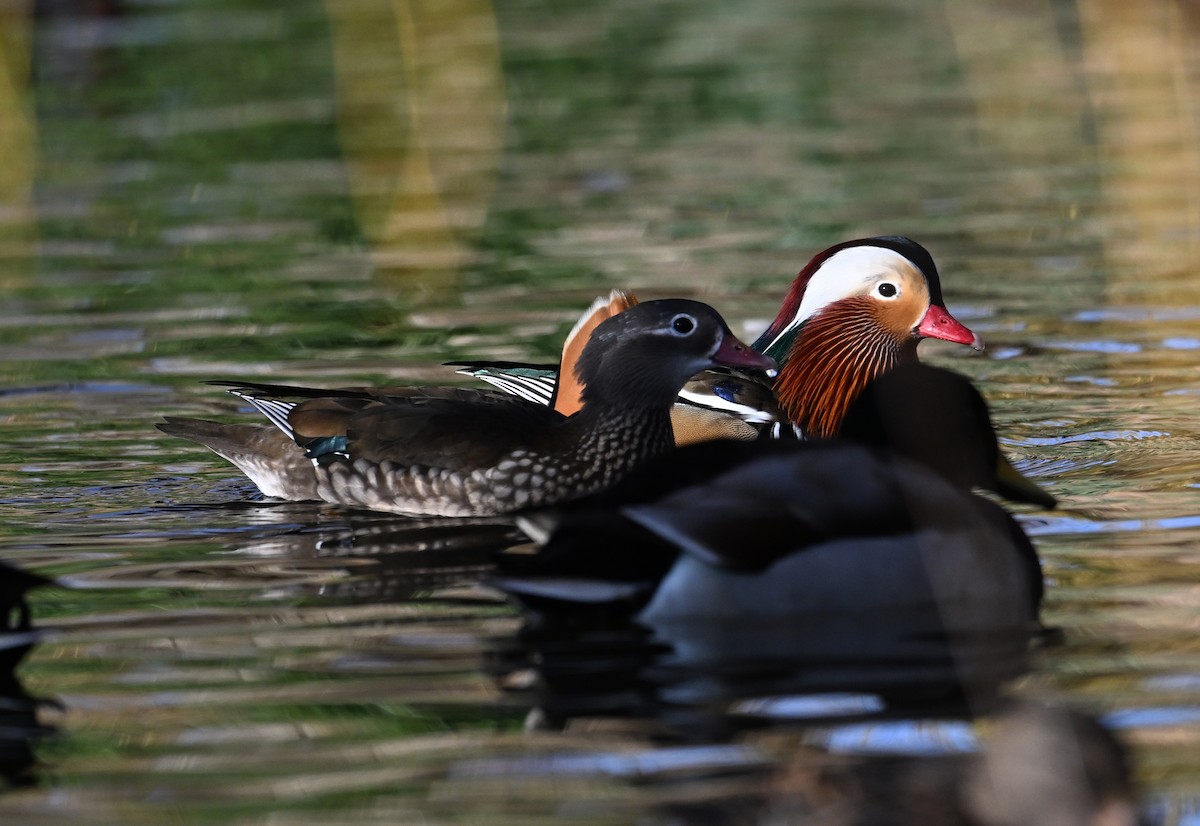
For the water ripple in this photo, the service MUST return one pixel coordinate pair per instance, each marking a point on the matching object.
(1052, 524)
(1091, 436)
(904, 737)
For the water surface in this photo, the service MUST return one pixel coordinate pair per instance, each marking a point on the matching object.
(358, 192)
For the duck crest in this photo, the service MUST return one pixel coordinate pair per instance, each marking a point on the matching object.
(839, 351)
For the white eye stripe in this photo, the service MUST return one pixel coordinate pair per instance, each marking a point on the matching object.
(846, 273)
(849, 272)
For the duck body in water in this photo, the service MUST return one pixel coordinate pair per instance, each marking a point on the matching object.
(457, 452)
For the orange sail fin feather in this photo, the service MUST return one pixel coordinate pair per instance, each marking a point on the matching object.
(568, 394)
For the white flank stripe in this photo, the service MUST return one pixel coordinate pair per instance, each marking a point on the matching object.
(713, 402)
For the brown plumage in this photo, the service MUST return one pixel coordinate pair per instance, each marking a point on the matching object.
(842, 350)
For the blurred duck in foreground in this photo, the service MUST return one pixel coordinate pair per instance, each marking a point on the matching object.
(456, 452)
(880, 520)
(857, 310)
(1037, 766)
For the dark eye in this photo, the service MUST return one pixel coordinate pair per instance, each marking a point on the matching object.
(887, 289)
(683, 324)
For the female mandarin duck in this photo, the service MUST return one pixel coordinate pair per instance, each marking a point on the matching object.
(456, 452)
(854, 312)
(880, 520)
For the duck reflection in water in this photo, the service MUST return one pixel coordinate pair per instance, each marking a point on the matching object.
(860, 563)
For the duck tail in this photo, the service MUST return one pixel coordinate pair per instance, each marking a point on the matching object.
(276, 464)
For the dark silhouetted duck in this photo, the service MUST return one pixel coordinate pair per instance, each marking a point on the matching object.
(857, 310)
(882, 519)
(457, 452)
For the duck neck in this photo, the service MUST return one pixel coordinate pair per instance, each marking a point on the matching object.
(613, 439)
(836, 354)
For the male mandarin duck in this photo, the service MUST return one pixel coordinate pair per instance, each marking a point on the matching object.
(459, 452)
(854, 312)
(857, 310)
(881, 519)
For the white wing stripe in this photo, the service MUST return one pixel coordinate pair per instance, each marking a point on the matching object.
(274, 409)
(536, 390)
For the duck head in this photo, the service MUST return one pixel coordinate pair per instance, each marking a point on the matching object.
(895, 272)
(938, 418)
(854, 312)
(643, 356)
